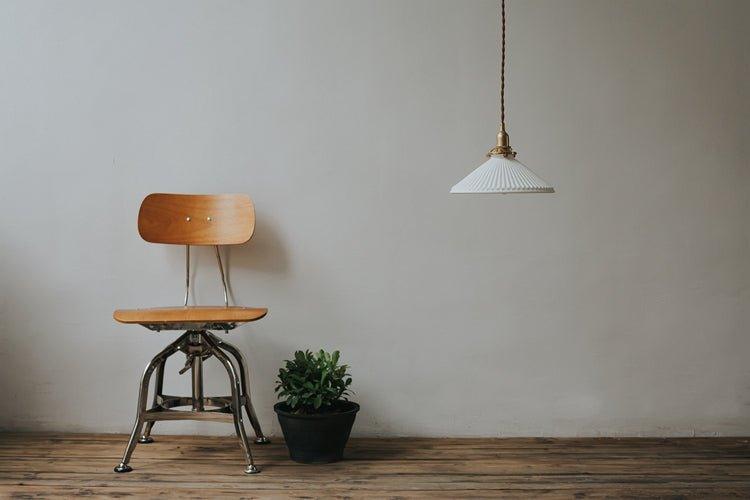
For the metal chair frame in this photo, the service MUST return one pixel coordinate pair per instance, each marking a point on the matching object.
(198, 344)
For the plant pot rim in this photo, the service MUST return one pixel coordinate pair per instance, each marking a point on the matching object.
(348, 408)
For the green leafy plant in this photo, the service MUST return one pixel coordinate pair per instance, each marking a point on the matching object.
(313, 383)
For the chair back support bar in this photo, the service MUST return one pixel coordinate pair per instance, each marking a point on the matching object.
(196, 219)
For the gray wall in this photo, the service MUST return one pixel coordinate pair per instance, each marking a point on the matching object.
(617, 306)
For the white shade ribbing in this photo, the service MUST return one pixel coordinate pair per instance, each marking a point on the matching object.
(501, 174)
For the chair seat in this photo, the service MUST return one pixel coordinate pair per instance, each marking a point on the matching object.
(190, 317)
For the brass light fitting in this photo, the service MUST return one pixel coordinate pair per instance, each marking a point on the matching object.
(503, 146)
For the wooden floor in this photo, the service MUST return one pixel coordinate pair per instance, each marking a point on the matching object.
(68, 465)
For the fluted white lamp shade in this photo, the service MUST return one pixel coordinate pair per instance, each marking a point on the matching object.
(501, 174)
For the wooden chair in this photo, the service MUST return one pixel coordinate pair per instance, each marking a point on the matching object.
(184, 219)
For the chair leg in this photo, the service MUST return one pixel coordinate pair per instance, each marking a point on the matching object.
(234, 381)
(142, 398)
(260, 438)
(158, 389)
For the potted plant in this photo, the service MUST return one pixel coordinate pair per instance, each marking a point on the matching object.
(315, 416)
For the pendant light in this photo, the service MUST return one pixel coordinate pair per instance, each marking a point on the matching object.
(502, 173)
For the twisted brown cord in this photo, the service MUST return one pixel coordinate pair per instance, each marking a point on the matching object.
(503, 142)
(502, 66)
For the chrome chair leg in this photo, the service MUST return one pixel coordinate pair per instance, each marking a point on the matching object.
(245, 384)
(158, 389)
(142, 399)
(234, 380)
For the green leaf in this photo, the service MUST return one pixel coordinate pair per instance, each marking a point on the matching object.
(312, 380)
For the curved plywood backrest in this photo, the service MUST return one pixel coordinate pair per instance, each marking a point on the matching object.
(196, 219)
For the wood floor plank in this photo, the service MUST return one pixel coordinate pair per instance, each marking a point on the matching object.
(67, 465)
(135, 492)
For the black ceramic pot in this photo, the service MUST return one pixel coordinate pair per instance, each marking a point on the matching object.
(318, 438)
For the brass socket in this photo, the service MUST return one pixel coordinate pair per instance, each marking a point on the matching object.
(503, 146)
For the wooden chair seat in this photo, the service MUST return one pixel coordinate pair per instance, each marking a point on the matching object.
(190, 317)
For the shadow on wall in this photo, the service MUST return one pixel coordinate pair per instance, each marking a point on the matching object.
(263, 345)
(264, 252)
(23, 389)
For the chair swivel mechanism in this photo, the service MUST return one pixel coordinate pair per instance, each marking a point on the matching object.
(180, 219)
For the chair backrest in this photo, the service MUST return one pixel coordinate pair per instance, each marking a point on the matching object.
(196, 219)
